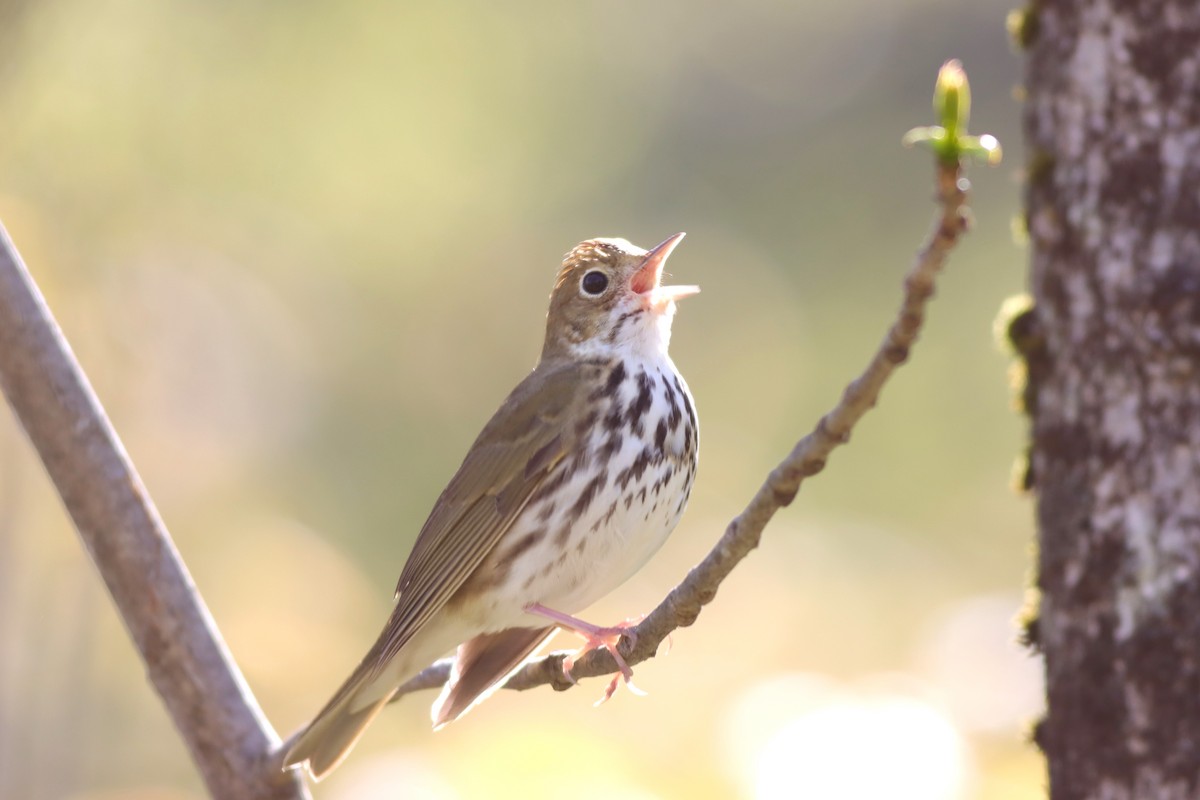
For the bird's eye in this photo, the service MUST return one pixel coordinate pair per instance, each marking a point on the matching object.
(595, 282)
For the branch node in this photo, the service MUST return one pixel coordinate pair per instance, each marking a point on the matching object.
(897, 354)
(784, 495)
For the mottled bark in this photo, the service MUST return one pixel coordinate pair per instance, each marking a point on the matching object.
(1112, 124)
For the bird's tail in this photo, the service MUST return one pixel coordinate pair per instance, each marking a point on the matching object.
(333, 732)
(481, 666)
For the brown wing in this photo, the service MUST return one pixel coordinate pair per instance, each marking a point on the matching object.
(522, 443)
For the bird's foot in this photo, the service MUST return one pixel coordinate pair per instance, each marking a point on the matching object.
(595, 636)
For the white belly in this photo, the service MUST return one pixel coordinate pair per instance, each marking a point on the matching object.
(633, 483)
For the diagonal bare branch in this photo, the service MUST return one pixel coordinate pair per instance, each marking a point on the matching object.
(229, 738)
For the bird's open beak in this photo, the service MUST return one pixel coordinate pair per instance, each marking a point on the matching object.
(647, 281)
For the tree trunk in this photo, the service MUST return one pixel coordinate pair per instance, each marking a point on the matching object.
(1112, 123)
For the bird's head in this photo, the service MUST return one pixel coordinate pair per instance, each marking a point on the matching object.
(609, 300)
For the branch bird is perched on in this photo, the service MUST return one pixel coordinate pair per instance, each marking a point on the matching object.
(575, 482)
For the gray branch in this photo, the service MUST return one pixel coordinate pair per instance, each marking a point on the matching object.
(229, 739)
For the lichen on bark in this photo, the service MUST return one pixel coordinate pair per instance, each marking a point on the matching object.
(1113, 105)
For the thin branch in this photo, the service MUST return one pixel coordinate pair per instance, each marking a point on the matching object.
(682, 605)
(229, 738)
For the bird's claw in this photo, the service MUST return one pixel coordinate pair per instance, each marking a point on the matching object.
(594, 637)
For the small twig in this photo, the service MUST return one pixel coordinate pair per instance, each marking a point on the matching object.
(229, 738)
(682, 606)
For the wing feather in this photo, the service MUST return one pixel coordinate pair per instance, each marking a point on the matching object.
(526, 438)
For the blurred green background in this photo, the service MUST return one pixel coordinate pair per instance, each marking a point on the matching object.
(303, 250)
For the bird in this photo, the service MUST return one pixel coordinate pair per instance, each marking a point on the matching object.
(575, 482)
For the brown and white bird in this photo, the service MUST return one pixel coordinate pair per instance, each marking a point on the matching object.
(573, 484)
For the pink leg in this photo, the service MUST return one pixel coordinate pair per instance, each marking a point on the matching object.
(594, 636)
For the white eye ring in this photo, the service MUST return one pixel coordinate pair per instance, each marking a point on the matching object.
(593, 283)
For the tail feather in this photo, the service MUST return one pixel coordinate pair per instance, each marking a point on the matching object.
(338, 726)
(481, 666)
(330, 737)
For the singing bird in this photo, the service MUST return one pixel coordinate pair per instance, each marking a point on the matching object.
(572, 485)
